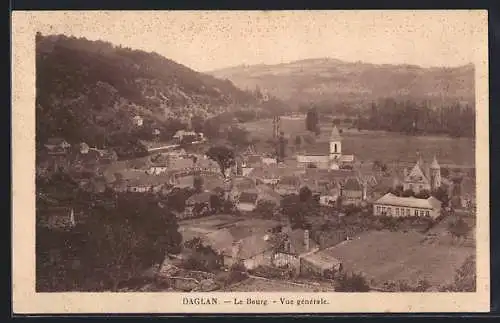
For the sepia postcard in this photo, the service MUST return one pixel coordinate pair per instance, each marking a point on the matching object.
(250, 162)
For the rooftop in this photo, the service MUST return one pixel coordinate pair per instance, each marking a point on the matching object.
(248, 197)
(335, 134)
(322, 260)
(352, 184)
(317, 149)
(391, 199)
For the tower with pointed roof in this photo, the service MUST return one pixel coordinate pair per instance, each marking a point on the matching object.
(435, 174)
(335, 144)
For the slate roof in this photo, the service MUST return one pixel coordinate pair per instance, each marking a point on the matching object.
(352, 184)
(390, 199)
(417, 175)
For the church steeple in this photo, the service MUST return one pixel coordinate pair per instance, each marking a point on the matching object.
(335, 144)
(434, 164)
(335, 135)
(435, 174)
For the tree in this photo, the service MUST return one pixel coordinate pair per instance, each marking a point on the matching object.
(265, 208)
(216, 203)
(458, 228)
(465, 277)
(312, 120)
(298, 141)
(351, 282)
(131, 238)
(339, 202)
(177, 198)
(281, 147)
(423, 194)
(223, 156)
(408, 193)
(197, 123)
(305, 194)
(204, 258)
(238, 136)
(198, 184)
(296, 210)
(442, 195)
(211, 128)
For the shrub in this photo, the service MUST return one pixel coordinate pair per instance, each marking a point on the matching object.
(236, 273)
(351, 282)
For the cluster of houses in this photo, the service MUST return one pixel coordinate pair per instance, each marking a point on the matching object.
(58, 154)
(256, 178)
(256, 243)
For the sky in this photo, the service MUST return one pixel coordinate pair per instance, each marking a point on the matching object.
(207, 41)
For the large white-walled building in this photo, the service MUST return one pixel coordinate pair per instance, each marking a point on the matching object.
(392, 205)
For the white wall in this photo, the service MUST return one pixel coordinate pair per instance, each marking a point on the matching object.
(263, 259)
(378, 209)
(246, 206)
(281, 259)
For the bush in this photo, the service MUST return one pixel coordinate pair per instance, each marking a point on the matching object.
(236, 273)
(351, 282)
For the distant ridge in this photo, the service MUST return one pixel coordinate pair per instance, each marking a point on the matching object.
(335, 81)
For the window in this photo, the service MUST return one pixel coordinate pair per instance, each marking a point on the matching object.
(397, 211)
(427, 214)
(407, 212)
(416, 213)
(422, 213)
(335, 148)
(389, 210)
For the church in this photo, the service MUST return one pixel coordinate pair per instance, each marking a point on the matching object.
(419, 180)
(325, 155)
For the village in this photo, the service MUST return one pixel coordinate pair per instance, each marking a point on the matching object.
(295, 222)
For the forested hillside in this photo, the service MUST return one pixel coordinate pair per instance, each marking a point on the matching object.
(90, 91)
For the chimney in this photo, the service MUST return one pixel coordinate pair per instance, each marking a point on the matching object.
(306, 240)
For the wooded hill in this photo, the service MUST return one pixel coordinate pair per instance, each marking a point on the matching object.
(91, 90)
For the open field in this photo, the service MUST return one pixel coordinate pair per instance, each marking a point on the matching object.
(385, 146)
(391, 256)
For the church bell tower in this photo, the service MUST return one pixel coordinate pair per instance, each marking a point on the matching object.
(335, 145)
(435, 174)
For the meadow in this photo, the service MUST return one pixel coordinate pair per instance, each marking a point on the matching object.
(379, 145)
(385, 256)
